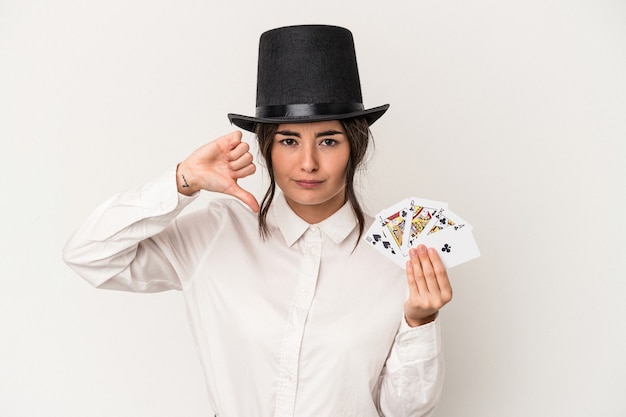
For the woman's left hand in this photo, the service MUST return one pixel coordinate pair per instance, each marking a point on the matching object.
(428, 284)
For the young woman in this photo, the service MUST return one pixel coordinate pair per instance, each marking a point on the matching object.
(291, 314)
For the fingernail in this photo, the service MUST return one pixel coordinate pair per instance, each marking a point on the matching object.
(421, 248)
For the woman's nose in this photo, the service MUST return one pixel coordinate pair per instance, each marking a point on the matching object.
(308, 160)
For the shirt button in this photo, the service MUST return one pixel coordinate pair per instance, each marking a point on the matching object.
(314, 229)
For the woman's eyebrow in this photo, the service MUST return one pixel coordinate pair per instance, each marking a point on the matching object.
(328, 133)
(317, 135)
(288, 133)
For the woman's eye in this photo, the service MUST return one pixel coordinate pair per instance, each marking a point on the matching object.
(288, 142)
(329, 142)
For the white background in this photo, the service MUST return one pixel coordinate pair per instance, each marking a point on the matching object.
(514, 112)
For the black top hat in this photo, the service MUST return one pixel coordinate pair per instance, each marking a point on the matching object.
(307, 74)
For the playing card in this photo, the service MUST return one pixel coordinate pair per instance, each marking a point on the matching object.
(386, 233)
(453, 246)
(379, 238)
(421, 212)
(442, 219)
(394, 220)
(415, 221)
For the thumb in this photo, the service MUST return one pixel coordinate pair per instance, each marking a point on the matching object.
(236, 191)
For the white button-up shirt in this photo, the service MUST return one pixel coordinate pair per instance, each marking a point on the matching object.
(301, 324)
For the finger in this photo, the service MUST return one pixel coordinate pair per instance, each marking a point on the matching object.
(238, 151)
(418, 272)
(236, 191)
(241, 162)
(245, 171)
(441, 273)
(230, 141)
(410, 279)
(429, 272)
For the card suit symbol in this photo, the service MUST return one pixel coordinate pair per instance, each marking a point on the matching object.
(376, 238)
(387, 245)
(446, 248)
(442, 220)
(403, 213)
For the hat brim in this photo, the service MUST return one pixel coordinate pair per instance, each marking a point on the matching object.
(248, 122)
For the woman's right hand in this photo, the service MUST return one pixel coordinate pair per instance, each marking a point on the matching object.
(216, 167)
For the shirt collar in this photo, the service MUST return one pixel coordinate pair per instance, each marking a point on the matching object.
(337, 227)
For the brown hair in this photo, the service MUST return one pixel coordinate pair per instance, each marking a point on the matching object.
(358, 134)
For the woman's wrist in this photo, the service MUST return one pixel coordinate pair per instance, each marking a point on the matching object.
(420, 322)
(184, 181)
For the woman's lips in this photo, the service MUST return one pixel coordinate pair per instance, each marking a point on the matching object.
(307, 183)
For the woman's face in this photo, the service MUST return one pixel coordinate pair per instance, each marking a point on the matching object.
(309, 162)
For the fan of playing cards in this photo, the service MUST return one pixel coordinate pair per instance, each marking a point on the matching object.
(415, 221)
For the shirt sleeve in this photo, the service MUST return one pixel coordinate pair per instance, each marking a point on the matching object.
(116, 247)
(412, 379)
